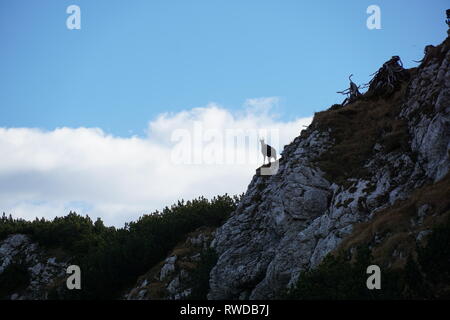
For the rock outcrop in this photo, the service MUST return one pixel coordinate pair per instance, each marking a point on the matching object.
(39, 271)
(288, 222)
(173, 278)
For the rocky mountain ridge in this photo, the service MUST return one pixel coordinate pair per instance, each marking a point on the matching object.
(289, 222)
(337, 183)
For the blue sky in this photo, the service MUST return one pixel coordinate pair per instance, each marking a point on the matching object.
(87, 116)
(134, 60)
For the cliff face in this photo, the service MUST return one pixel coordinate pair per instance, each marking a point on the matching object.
(349, 164)
(28, 271)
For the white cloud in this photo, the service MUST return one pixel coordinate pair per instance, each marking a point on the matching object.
(48, 173)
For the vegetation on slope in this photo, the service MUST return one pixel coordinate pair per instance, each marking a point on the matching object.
(188, 274)
(340, 278)
(356, 129)
(392, 232)
(411, 268)
(111, 259)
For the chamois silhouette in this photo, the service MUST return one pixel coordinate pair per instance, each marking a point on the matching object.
(267, 151)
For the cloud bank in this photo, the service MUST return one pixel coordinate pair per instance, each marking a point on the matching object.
(49, 173)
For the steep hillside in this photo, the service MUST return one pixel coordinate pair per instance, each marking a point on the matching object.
(366, 182)
(409, 241)
(351, 163)
(34, 255)
(184, 274)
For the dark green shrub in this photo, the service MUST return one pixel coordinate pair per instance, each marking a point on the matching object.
(199, 278)
(111, 259)
(13, 278)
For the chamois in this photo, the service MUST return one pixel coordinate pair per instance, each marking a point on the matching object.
(267, 151)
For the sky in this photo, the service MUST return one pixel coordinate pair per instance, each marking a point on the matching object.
(87, 116)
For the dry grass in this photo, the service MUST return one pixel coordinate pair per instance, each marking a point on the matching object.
(401, 242)
(157, 290)
(356, 128)
(181, 251)
(395, 227)
(187, 265)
